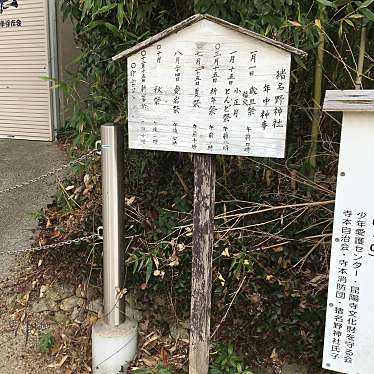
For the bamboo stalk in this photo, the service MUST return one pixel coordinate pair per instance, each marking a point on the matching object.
(361, 56)
(317, 96)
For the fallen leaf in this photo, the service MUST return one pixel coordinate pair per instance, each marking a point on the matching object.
(225, 252)
(130, 200)
(86, 179)
(149, 361)
(58, 364)
(143, 326)
(150, 340)
(221, 279)
(43, 288)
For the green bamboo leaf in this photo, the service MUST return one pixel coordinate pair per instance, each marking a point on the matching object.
(341, 2)
(104, 9)
(328, 3)
(356, 16)
(367, 13)
(365, 4)
(149, 270)
(120, 15)
(93, 25)
(350, 23)
(112, 28)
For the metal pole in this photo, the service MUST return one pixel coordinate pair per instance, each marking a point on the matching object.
(112, 180)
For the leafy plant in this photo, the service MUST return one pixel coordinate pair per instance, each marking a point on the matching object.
(225, 360)
(45, 342)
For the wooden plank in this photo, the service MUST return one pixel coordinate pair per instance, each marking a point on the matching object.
(202, 249)
(349, 327)
(209, 90)
(198, 17)
(349, 100)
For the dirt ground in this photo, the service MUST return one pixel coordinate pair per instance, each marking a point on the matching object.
(19, 351)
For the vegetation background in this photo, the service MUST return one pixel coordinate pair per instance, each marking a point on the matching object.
(273, 218)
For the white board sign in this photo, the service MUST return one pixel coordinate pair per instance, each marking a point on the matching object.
(209, 89)
(349, 332)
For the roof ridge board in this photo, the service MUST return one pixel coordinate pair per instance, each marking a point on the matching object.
(198, 17)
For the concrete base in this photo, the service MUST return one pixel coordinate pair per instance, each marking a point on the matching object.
(113, 348)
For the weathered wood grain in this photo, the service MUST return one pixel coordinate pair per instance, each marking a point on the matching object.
(349, 100)
(203, 219)
(196, 18)
(211, 90)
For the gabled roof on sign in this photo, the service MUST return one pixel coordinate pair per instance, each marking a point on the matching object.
(196, 18)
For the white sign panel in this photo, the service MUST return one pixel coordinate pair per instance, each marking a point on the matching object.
(209, 89)
(349, 334)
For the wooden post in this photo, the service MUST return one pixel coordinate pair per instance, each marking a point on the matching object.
(202, 249)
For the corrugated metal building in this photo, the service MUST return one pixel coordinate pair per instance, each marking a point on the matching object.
(29, 54)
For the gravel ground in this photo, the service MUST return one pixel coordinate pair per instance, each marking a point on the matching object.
(20, 161)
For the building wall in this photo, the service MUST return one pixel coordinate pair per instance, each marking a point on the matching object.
(24, 89)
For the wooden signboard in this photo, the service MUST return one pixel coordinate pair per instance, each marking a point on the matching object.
(205, 87)
(349, 332)
(208, 87)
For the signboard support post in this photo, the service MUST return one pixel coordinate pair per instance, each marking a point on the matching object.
(202, 249)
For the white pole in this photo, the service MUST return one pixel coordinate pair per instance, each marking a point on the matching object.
(114, 339)
(112, 161)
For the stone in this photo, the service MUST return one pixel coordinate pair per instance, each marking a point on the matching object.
(40, 306)
(60, 317)
(91, 293)
(77, 314)
(79, 291)
(133, 313)
(59, 292)
(11, 300)
(74, 314)
(179, 331)
(96, 306)
(44, 306)
(70, 303)
(52, 306)
(130, 300)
